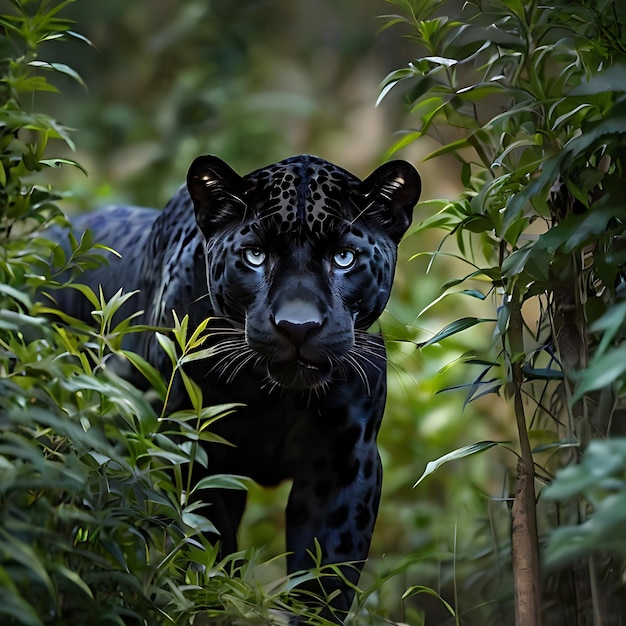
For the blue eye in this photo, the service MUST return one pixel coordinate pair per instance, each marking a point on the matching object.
(344, 259)
(254, 256)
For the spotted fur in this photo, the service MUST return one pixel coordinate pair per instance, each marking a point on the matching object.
(293, 262)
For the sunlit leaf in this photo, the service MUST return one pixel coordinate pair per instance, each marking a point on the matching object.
(222, 481)
(62, 68)
(152, 375)
(194, 392)
(460, 453)
(405, 140)
(168, 346)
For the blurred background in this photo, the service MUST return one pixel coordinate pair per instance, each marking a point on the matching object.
(256, 81)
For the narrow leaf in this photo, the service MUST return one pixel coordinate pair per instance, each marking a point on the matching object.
(460, 453)
(168, 345)
(222, 481)
(151, 374)
(455, 327)
(417, 589)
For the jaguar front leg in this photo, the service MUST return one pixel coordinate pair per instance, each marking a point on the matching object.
(334, 502)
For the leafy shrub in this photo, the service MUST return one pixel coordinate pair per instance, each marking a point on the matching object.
(528, 99)
(95, 523)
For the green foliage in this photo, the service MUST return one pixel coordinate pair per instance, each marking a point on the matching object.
(95, 522)
(528, 99)
(599, 480)
(96, 519)
(22, 79)
(460, 453)
(181, 79)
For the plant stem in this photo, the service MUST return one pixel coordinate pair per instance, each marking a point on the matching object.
(524, 542)
(598, 614)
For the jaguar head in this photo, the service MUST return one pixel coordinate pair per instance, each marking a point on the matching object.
(300, 259)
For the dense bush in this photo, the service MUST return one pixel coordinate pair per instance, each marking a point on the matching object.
(529, 99)
(94, 521)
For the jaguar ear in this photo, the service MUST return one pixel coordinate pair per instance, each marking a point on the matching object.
(217, 192)
(391, 192)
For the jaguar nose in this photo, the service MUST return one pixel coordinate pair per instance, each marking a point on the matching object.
(297, 331)
(298, 319)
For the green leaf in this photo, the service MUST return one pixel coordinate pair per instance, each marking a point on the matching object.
(174, 458)
(61, 68)
(599, 478)
(13, 605)
(453, 328)
(610, 323)
(417, 589)
(198, 355)
(450, 148)
(611, 79)
(406, 140)
(152, 375)
(73, 578)
(466, 174)
(443, 218)
(88, 293)
(14, 548)
(569, 114)
(573, 233)
(168, 346)
(200, 524)
(602, 372)
(556, 445)
(473, 293)
(542, 373)
(78, 36)
(392, 80)
(601, 460)
(193, 390)
(601, 534)
(17, 295)
(222, 481)
(58, 162)
(197, 337)
(460, 453)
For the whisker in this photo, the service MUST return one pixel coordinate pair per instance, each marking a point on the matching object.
(232, 366)
(367, 359)
(232, 356)
(240, 365)
(200, 298)
(229, 346)
(358, 368)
